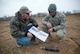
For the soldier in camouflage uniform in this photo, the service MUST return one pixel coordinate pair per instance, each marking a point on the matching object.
(20, 24)
(54, 22)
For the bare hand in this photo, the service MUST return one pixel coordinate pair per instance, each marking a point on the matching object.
(39, 28)
(50, 29)
(29, 35)
(49, 25)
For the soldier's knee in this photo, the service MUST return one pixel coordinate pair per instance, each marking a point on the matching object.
(60, 34)
(45, 29)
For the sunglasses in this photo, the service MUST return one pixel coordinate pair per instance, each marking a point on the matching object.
(27, 13)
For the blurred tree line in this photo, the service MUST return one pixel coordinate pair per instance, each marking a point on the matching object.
(5, 18)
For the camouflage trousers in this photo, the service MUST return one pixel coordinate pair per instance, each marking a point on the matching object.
(59, 33)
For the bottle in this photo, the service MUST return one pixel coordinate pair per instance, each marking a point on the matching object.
(50, 48)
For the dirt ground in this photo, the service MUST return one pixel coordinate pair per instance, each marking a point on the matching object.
(69, 45)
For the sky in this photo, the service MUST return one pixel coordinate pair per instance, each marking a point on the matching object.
(10, 7)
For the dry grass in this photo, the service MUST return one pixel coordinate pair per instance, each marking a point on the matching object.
(68, 46)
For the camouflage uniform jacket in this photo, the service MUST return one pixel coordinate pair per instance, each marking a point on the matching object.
(18, 25)
(58, 21)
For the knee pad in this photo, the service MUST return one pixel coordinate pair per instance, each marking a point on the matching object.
(60, 34)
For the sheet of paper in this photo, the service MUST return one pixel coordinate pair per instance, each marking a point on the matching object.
(38, 33)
